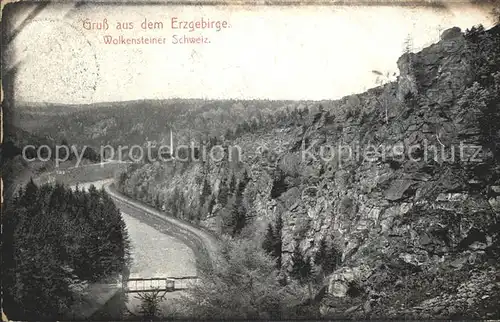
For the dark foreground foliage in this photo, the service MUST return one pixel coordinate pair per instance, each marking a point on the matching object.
(56, 242)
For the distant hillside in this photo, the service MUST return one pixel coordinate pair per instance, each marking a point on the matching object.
(16, 169)
(136, 122)
(417, 230)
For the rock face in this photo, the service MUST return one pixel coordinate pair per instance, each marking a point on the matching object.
(414, 214)
(398, 177)
(451, 33)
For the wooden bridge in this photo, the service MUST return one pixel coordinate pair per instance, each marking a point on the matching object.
(163, 284)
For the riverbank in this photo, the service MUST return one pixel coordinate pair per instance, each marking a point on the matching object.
(154, 252)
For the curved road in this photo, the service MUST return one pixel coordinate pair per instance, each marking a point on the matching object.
(202, 242)
(149, 222)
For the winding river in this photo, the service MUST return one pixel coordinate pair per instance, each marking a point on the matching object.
(154, 253)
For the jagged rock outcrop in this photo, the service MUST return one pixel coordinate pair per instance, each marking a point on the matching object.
(401, 178)
(432, 210)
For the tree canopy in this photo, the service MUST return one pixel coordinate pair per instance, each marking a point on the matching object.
(56, 242)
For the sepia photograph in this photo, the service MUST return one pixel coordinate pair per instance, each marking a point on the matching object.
(275, 160)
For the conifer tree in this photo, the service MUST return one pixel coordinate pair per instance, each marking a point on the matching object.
(272, 243)
(246, 178)
(223, 194)
(232, 184)
(240, 217)
(157, 201)
(30, 194)
(229, 134)
(268, 243)
(327, 257)
(211, 205)
(301, 268)
(206, 191)
(320, 256)
(278, 244)
(57, 230)
(334, 259)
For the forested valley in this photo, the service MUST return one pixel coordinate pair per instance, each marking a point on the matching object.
(357, 239)
(58, 242)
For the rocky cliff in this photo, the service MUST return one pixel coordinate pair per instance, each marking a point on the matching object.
(403, 179)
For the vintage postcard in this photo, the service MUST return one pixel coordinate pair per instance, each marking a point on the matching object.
(250, 160)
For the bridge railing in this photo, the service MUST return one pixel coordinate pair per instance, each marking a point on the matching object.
(166, 284)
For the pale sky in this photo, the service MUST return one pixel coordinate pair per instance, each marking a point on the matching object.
(292, 53)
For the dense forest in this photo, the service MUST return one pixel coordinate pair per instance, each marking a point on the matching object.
(56, 243)
(150, 183)
(139, 122)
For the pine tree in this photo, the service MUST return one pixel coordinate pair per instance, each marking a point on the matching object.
(272, 243)
(245, 126)
(205, 191)
(278, 243)
(321, 255)
(223, 194)
(246, 178)
(253, 124)
(30, 194)
(238, 131)
(334, 259)
(327, 257)
(301, 268)
(232, 184)
(179, 202)
(240, 217)
(211, 205)
(229, 134)
(157, 201)
(269, 240)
